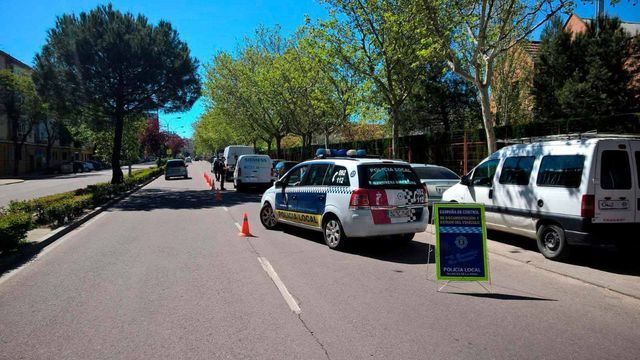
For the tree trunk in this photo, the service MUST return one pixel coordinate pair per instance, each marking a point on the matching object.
(117, 177)
(17, 156)
(48, 155)
(395, 119)
(487, 118)
(278, 147)
(326, 139)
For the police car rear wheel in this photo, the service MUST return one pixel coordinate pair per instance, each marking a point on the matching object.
(333, 234)
(268, 217)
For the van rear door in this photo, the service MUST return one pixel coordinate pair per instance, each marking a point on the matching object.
(635, 169)
(615, 193)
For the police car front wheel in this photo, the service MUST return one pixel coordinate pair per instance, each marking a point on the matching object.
(268, 217)
(334, 235)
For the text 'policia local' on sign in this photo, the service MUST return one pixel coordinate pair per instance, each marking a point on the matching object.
(461, 242)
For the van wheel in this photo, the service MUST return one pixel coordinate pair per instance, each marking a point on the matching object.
(333, 233)
(552, 242)
(268, 217)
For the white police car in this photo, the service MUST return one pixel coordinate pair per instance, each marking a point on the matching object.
(348, 198)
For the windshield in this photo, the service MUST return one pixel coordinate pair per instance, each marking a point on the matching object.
(435, 173)
(172, 164)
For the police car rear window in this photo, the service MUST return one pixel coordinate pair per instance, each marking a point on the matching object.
(389, 176)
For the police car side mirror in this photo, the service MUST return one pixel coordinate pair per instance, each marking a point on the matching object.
(465, 180)
(278, 184)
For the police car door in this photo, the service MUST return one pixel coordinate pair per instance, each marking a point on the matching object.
(287, 197)
(312, 198)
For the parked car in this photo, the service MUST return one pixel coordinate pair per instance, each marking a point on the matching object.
(348, 198)
(66, 167)
(78, 166)
(176, 168)
(188, 160)
(88, 166)
(231, 155)
(561, 193)
(96, 164)
(436, 180)
(282, 167)
(253, 171)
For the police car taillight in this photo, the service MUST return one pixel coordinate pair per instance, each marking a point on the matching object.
(359, 199)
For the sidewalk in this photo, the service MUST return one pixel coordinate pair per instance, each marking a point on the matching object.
(601, 267)
(10, 181)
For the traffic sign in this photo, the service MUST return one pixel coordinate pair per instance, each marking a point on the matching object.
(461, 242)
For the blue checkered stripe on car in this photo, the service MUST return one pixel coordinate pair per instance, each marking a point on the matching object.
(461, 229)
(319, 189)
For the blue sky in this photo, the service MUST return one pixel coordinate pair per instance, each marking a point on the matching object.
(208, 26)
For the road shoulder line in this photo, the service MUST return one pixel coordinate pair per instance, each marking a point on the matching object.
(293, 305)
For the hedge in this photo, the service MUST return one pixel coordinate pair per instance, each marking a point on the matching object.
(59, 209)
(13, 229)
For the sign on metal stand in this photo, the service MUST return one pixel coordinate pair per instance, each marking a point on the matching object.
(461, 243)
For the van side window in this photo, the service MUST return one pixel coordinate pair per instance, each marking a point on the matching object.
(483, 173)
(638, 166)
(615, 172)
(516, 170)
(337, 176)
(561, 170)
(316, 174)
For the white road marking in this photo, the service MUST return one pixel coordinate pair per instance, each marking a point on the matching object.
(225, 208)
(50, 247)
(238, 226)
(293, 305)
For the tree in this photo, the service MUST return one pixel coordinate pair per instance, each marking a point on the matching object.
(151, 138)
(381, 41)
(174, 143)
(585, 77)
(23, 109)
(116, 66)
(474, 33)
(511, 91)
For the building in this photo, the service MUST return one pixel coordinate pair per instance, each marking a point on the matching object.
(34, 150)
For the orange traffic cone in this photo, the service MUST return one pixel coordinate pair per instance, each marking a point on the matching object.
(245, 227)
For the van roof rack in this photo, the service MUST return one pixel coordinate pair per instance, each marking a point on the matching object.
(593, 134)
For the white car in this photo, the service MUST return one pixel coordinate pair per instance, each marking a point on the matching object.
(436, 179)
(561, 193)
(176, 168)
(348, 198)
(253, 170)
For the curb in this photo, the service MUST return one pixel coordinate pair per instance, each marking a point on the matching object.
(13, 262)
(619, 292)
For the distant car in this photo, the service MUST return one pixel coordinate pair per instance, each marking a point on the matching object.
(282, 167)
(176, 168)
(188, 159)
(96, 165)
(88, 166)
(66, 167)
(436, 179)
(78, 166)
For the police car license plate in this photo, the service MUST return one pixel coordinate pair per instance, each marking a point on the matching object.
(399, 213)
(613, 204)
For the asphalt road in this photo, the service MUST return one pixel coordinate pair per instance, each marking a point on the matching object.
(33, 188)
(165, 275)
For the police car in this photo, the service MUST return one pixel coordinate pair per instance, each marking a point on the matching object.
(348, 198)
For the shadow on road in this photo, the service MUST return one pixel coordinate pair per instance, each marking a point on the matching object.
(383, 249)
(604, 258)
(154, 199)
(502, 296)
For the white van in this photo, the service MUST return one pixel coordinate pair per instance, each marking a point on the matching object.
(253, 170)
(561, 193)
(231, 155)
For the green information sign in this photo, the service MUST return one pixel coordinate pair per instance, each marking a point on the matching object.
(461, 242)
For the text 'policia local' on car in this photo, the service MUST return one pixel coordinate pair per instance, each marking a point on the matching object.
(348, 198)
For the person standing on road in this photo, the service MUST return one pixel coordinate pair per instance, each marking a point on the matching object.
(216, 169)
(223, 173)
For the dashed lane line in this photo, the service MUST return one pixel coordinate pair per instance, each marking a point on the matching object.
(293, 305)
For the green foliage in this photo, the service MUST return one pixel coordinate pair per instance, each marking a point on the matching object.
(13, 228)
(584, 77)
(114, 66)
